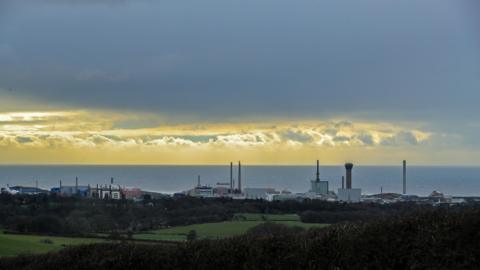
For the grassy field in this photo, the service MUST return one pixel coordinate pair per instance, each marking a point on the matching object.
(240, 224)
(11, 244)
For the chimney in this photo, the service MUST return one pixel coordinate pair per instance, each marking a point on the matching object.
(318, 171)
(349, 167)
(343, 182)
(111, 180)
(240, 177)
(76, 185)
(404, 177)
(231, 176)
(198, 181)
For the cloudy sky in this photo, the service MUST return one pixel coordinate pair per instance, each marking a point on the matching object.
(268, 82)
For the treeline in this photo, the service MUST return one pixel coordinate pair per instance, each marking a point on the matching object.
(76, 216)
(429, 239)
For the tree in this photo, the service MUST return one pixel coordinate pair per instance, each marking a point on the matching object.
(192, 235)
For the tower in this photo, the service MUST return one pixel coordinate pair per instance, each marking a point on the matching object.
(404, 177)
(231, 176)
(240, 177)
(349, 167)
(76, 185)
(317, 186)
(347, 193)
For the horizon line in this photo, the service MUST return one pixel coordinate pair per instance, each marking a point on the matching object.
(243, 164)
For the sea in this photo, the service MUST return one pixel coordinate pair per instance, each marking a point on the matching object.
(456, 181)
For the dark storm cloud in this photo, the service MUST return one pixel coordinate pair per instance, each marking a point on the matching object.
(218, 59)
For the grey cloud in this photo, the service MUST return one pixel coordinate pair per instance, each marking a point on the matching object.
(206, 60)
(407, 137)
(296, 136)
(400, 138)
(341, 139)
(366, 139)
(24, 140)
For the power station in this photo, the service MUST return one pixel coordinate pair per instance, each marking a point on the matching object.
(349, 194)
(317, 186)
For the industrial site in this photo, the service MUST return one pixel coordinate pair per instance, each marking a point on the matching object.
(319, 190)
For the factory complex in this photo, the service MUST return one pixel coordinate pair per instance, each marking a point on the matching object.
(319, 190)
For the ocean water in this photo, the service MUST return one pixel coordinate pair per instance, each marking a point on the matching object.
(460, 181)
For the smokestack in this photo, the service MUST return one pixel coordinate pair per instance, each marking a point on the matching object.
(240, 176)
(198, 181)
(36, 184)
(318, 171)
(349, 167)
(404, 177)
(111, 180)
(76, 185)
(231, 176)
(343, 182)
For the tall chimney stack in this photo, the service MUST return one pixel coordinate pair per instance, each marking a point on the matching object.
(318, 171)
(198, 181)
(343, 182)
(231, 176)
(404, 177)
(76, 185)
(240, 177)
(349, 167)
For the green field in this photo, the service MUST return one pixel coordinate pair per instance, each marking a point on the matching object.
(240, 224)
(12, 244)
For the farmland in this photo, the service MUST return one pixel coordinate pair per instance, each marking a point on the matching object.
(14, 244)
(240, 224)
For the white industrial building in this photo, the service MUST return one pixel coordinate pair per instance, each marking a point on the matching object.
(319, 187)
(258, 193)
(349, 195)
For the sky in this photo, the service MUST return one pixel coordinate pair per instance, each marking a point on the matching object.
(268, 82)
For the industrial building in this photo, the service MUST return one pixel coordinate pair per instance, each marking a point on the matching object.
(349, 194)
(69, 191)
(106, 192)
(259, 193)
(132, 193)
(319, 187)
(222, 189)
(27, 190)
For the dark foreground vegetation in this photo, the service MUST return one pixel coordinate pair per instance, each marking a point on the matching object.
(76, 216)
(430, 239)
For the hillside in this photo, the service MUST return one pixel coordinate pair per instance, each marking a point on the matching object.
(440, 239)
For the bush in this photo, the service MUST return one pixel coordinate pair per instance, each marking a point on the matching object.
(46, 241)
(192, 235)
